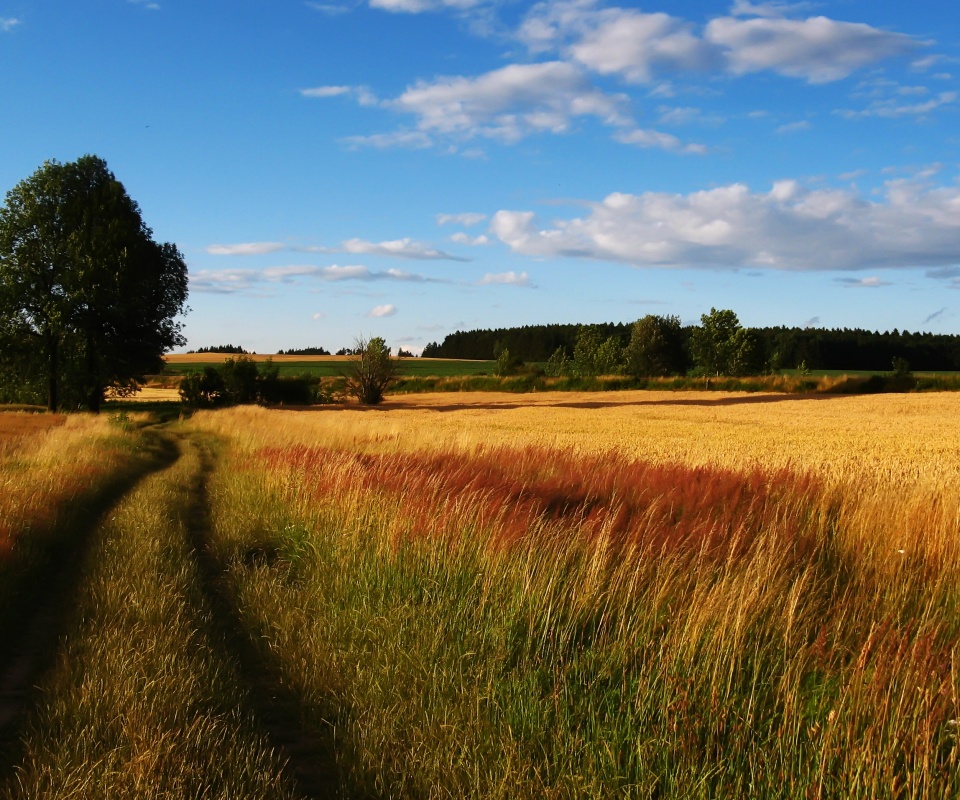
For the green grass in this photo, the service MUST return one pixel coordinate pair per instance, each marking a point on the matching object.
(565, 665)
(142, 701)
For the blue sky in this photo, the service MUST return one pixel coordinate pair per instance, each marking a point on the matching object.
(407, 168)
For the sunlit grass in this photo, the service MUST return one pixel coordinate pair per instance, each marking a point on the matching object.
(683, 600)
(143, 701)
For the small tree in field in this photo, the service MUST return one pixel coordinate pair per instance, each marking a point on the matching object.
(371, 371)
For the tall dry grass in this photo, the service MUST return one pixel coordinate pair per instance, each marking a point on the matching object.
(143, 700)
(763, 606)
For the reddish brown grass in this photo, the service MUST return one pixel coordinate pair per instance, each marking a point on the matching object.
(513, 493)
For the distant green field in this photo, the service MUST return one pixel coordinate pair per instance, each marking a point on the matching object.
(412, 367)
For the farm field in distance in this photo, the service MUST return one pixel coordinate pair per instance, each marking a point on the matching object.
(327, 366)
(632, 594)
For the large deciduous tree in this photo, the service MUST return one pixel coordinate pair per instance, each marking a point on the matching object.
(88, 300)
(655, 348)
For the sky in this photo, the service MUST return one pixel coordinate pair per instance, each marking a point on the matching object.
(333, 169)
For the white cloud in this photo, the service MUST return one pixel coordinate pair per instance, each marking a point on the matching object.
(387, 310)
(509, 103)
(614, 40)
(756, 37)
(361, 94)
(8, 24)
(410, 140)
(318, 316)
(788, 228)
(634, 44)
(330, 9)
(472, 241)
(326, 91)
(652, 138)
(505, 279)
(232, 281)
(420, 6)
(399, 248)
(891, 108)
(862, 283)
(467, 220)
(817, 49)
(744, 8)
(794, 127)
(245, 248)
(148, 4)
(223, 281)
(927, 62)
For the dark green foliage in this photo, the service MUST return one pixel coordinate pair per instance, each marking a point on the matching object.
(656, 348)
(371, 371)
(242, 381)
(846, 349)
(221, 348)
(713, 344)
(203, 389)
(88, 300)
(304, 351)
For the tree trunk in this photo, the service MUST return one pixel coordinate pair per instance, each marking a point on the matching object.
(53, 366)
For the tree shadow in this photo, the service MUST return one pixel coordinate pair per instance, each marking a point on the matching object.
(40, 614)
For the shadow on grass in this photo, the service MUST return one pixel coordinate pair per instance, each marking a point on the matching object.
(279, 709)
(41, 584)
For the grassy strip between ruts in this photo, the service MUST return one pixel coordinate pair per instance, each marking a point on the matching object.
(530, 623)
(142, 701)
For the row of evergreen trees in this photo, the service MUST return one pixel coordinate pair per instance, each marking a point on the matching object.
(745, 350)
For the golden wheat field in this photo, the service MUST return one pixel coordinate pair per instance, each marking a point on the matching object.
(906, 439)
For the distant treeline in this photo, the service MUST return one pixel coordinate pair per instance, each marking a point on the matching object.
(221, 348)
(304, 351)
(785, 348)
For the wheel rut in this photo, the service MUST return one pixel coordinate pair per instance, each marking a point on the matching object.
(42, 612)
(310, 756)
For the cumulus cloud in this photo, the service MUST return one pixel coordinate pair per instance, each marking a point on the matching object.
(505, 279)
(615, 40)
(472, 241)
(468, 219)
(387, 310)
(817, 49)
(245, 248)
(789, 228)
(755, 37)
(509, 103)
(317, 316)
(8, 24)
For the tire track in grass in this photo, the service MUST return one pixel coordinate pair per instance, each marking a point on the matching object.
(34, 626)
(310, 756)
